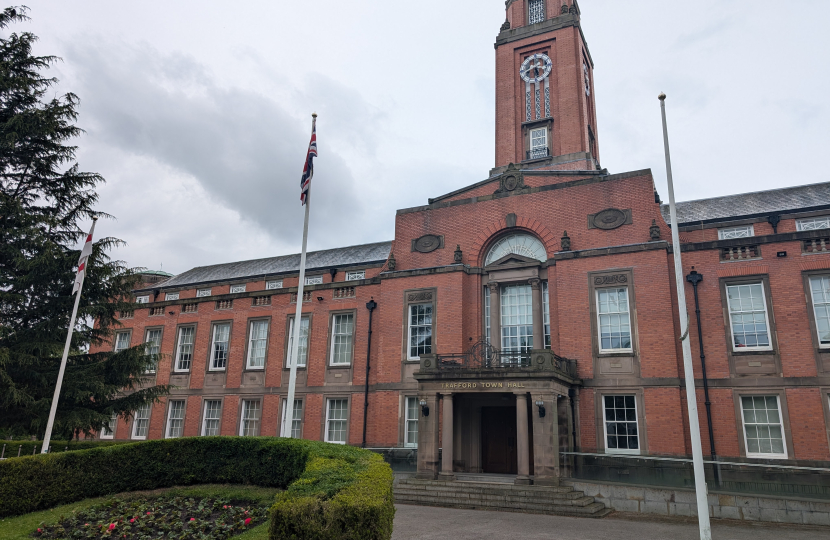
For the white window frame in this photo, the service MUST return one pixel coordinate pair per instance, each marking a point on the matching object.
(109, 434)
(766, 318)
(813, 224)
(410, 326)
(547, 343)
(356, 276)
(334, 338)
(205, 419)
(731, 233)
(291, 341)
(148, 407)
(213, 336)
(251, 327)
(171, 296)
(520, 293)
(243, 419)
(237, 289)
(816, 306)
(176, 367)
(636, 451)
(530, 11)
(202, 293)
(142, 299)
(599, 320)
(329, 419)
(407, 420)
(314, 280)
(118, 346)
(170, 419)
(294, 417)
(542, 144)
(158, 353)
(780, 423)
(272, 285)
(487, 314)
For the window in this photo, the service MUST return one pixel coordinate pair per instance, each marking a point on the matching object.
(546, 313)
(763, 429)
(201, 293)
(614, 320)
(411, 423)
(517, 244)
(487, 314)
(270, 285)
(152, 348)
(142, 299)
(420, 330)
(336, 417)
(171, 296)
(621, 429)
(538, 143)
(257, 344)
(813, 224)
(141, 421)
(314, 280)
(249, 426)
(211, 418)
(175, 420)
(302, 351)
(748, 317)
(219, 347)
(342, 335)
(517, 318)
(536, 9)
(122, 341)
(108, 431)
(354, 276)
(820, 288)
(184, 352)
(746, 231)
(296, 418)
(235, 289)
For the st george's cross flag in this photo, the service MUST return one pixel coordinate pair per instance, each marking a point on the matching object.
(308, 169)
(85, 253)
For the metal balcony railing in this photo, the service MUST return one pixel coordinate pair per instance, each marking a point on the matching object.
(483, 356)
(538, 153)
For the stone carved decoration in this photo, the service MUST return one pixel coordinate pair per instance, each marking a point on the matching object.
(535, 283)
(505, 25)
(458, 255)
(511, 180)
(510, 220)
(573, 8)
(392, 264)
(564, 8)
(566, 241)
(617, 279)
(428, 243)
(493, 287)
(419, 297)
(611, 218)
(654, 231)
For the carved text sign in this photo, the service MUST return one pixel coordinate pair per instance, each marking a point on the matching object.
(481, 385)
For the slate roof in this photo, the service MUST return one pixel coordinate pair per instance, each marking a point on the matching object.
(316, 260)
(813, 196)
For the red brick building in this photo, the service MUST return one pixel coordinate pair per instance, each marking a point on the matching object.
(527, 314)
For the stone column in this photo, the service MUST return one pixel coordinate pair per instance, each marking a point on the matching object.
(522, 441)
(546, 441)
(495, 315)
(447, 440)
(428, 439)
(538, 322)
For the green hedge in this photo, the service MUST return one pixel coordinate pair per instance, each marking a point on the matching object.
(331, 492)
(12, 447)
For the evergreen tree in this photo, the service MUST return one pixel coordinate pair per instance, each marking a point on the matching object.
(45, 200)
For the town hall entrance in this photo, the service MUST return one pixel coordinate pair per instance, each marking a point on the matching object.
(498, 440)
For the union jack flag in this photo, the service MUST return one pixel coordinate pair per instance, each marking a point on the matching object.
(308, 169)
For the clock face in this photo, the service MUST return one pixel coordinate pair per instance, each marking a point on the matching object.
(536, 68)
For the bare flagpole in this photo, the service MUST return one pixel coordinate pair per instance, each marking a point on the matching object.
(288, 411)
(701, 490)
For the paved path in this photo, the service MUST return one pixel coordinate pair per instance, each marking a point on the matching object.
(426, 523)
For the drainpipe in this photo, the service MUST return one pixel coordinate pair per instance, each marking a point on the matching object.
(695, 278)
(370, 305)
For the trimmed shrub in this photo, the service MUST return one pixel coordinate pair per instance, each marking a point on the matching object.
(12, 447)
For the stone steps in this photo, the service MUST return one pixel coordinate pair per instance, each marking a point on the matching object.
(562, 500)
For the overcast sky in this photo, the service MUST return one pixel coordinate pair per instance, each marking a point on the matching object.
(198, 112)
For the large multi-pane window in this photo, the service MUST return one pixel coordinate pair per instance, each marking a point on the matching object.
(763, 427)
(411, 423)
(420, 330)
(342, 336)
(538, 143)
(211, 417)
(546, 313)
(813, 224)
(296, 418)
(517, 318)
(108, 431)
(487, 314)
(175, 419)
(251, 411)
(614, 320)
(141, 421)
(337, 414)
(621, 428)
(257, 344)
(122, 341)
(302, 351)
(184, 352)
(219, 348)
(152, 345)
(820, 289)
(748, 316)
(536, 10)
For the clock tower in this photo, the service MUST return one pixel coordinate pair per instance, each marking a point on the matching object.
(545, 110)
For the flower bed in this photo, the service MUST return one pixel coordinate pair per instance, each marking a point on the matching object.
(159, 518)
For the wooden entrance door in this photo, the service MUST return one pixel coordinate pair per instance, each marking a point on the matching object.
(498, 440)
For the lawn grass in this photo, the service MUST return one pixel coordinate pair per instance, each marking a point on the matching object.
(21, 527)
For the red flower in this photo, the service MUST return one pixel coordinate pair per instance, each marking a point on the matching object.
(112, 526)
(40, 530)
(132, 520)
(247, 521)
(148, 513)
(192, 519)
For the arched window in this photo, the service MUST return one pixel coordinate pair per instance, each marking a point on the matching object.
(517, 244)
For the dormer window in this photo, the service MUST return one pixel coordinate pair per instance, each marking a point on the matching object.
(536, 10)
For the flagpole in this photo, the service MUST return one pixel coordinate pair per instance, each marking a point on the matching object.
(295, 345)
(50, 423)
(691, 395)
